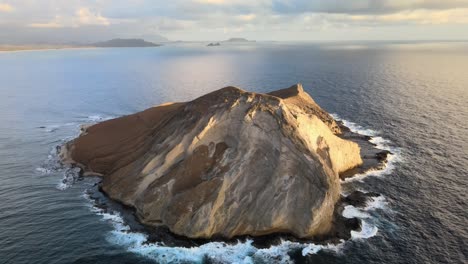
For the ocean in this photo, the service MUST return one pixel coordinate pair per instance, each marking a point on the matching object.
(412, 98)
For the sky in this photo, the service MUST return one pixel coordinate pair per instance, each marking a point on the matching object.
(31, 21)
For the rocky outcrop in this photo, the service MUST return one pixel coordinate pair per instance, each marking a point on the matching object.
(226, 164)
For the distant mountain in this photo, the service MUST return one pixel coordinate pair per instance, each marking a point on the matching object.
(19, 35)
(121, 43)
(239, 40)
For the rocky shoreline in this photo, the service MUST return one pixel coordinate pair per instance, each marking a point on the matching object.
(341, 231)
(373, 158)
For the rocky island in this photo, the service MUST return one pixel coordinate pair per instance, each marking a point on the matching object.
(124, 43)
(227, 164)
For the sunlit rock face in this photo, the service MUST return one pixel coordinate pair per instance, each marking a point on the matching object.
(226, 164)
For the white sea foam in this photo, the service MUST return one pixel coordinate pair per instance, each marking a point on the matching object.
(373, 203)
(354, 212)
(378, 202)
(217, 252)
(355, 127)
(386, 170)
(53, 163)
(380, 143)
(367, 231)
(70, 176)
(99, 118)
(86, 120)
(43, 171)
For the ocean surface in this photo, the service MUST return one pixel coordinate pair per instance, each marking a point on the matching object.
(412, 98)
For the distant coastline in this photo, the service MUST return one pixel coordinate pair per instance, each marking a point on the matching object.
(17, 48)
(113, 43)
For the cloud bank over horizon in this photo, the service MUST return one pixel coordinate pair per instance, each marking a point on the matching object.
(32, 21)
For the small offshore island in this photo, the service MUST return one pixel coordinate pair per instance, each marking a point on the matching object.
(230, 163)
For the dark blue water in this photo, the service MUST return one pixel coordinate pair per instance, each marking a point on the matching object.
(414, 97)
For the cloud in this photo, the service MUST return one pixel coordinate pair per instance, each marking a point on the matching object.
(165, 24)
(368, 7)
(248, 17)
(7, 8)
(86, 17)
(211, 2)
(216, 19)
(419, 16)
(57, 22)
(83, 17)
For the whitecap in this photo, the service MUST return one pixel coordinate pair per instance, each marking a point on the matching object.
(314, 249)
(378, 202)
(355, 127)
(217, 252)
(70, 176)
(51, 164)
(43, 171)
(99, 118)
(381, 143)
(392, 159)
(367, 231)
(354, 212)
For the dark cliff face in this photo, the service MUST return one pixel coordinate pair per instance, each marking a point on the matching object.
(226, 164)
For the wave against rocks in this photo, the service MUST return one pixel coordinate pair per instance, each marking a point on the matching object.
(128, 234)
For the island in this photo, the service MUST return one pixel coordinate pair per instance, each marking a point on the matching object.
(213, 44)
(113, 43)
(122, 43)
(230, 163)
(239, 40)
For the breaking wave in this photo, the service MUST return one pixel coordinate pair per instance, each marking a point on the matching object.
(53, 165)
(381, 143)
(99, 118)
(221, 252)
(368, 229)
(212, 252)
